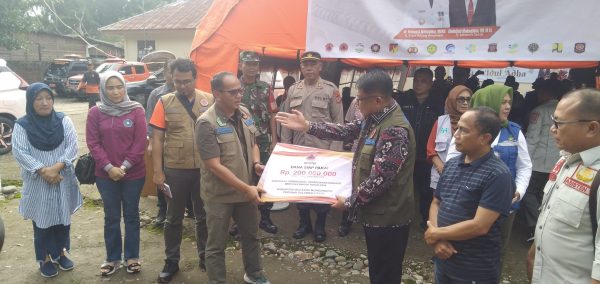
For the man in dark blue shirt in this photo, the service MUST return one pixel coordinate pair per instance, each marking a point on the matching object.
(471, 200)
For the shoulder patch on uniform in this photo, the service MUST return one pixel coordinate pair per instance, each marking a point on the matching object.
(338, 96)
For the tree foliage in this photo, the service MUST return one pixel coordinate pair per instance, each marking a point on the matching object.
(18, 17)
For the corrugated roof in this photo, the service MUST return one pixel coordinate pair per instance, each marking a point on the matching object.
(185, 14)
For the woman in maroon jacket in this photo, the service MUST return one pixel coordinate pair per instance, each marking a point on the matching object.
(116, 137)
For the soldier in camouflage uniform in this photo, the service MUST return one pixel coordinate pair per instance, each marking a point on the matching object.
(259, 100)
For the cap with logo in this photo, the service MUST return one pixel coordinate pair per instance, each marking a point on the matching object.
(310, 55)
(249, 56)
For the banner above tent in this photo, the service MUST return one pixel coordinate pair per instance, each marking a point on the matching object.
(497, 30)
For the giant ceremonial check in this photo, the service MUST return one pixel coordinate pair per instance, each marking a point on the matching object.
(455, 29)
(303, 174)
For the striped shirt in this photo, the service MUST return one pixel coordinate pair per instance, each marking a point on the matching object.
(48, 204)
(463, 188)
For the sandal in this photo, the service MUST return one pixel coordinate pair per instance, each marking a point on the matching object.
(134, 267)
(108, 268)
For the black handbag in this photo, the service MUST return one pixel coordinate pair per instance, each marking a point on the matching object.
(85, 169)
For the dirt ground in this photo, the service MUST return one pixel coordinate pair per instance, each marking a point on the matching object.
(17, 259)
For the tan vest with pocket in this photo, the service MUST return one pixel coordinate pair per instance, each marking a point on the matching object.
(213, 189)
(180, 150)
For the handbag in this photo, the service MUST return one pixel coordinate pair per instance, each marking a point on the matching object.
(85, 169)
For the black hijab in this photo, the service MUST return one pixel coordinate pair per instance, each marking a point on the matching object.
(44, 132)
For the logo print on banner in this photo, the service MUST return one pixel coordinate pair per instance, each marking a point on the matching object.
(375, 48)
(513, 48)
(533, 47)
(580, 47)
(493, 47)
(557, 47)
(359, 47)
(413, 50)
(393, 47)
(329, 47)
(344, 47)
(471, 48)
(432, 49)
(450, 48)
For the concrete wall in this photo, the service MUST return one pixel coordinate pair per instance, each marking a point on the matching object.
(44, 47)
(178, 42)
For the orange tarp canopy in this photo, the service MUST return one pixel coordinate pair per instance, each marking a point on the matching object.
(277, 28)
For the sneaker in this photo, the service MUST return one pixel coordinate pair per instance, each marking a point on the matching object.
(64, 263)
(258, 280)
(168, 271)
(48, 269)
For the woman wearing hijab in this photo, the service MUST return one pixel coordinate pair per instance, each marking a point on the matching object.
(457, 103)
(45, 145)
(116, 137)
(509, 145)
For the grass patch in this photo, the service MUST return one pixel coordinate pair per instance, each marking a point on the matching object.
(89, 203)
(15, 182)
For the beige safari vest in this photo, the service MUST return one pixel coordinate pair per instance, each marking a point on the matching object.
(395, 206)
(180, 150)
(214, 189)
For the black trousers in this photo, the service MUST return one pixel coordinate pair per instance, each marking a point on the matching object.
(385, 250)
(423, 191)
(533, 197)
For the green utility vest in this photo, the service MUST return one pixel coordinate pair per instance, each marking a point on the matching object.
(396, 205)
(212, 188)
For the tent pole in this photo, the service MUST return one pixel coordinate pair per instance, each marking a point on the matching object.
(352, 80)
(403, 76)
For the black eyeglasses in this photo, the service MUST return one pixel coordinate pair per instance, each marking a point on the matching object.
(558, 123)
(462, 100)
(233, 92)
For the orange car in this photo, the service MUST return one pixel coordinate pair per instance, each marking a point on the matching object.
(132, 72)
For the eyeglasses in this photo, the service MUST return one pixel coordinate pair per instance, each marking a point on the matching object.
(184, 82)
(233, 92)
(558, 123)
(362, 100)
(462, 100)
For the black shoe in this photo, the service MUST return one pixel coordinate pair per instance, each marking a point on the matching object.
(268, 226)
(189, 214)
(320, 237)
(168, 271)
(159, 220)
(320, 228)
(343, 230)
(302, 231)
(202, 263)
(233, 230)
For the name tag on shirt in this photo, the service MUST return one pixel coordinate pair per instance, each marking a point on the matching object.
(224, 130)
(370, 141)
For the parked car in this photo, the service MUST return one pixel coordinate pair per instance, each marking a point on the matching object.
(60, 70)
(132, 72)
(139, 91)
(12, 104)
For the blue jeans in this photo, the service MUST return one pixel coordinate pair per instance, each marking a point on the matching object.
(114, 195)
(50, 241)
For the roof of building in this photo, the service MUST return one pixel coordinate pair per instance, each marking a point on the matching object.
(183, 14)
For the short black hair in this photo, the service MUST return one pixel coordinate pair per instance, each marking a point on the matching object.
(216, 83)
(588, 103)
(487, 121)
(376, 81)
(424, 71)
(183, 65)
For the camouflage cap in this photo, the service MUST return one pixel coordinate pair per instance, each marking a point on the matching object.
(310, 55)
(249, 56)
